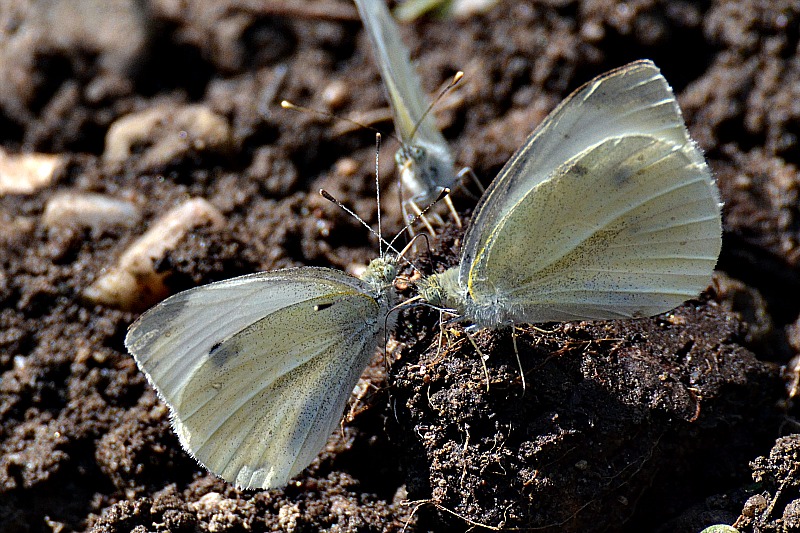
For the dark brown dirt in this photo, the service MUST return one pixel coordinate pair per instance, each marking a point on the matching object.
(621, 426)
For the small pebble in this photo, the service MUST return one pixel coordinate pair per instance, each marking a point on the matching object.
(90, 210)
(27, 173)
(133, 283)
(169, 134)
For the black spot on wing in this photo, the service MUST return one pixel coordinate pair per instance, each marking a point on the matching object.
(323, 306)
(221, 352)
(579, 170)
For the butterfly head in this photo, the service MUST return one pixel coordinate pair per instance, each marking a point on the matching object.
(424, 169)
(441, 290)
(381, 272)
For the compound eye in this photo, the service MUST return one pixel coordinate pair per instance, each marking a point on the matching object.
(417, 152)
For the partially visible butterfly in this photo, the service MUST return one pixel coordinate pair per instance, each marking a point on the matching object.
(424, 160)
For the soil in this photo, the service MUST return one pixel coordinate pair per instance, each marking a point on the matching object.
(672, 423)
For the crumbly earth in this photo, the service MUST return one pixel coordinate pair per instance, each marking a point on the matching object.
(661, 424)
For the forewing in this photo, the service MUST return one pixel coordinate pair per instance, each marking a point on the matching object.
(406, 97)
(170, 340)
(632, 100)
(628, 228)
(256, 370)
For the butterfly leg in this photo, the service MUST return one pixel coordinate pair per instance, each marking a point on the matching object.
(516, 353)
(418, 212)
(482, 357)
(467, 171)
(407, 218)
(452, 209)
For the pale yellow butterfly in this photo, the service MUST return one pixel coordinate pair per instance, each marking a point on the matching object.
(256, 370)
(607, 211)
(424, 160)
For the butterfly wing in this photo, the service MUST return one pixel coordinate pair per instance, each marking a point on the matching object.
(628, 228)
(632, 100)
(256, 370)
(608, 211)
(407, 99)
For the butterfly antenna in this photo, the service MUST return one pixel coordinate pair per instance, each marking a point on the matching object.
(378, 191)
(286, 104)
(402, 253)
(453, 83)
(325, 194)
(418, 301)
(444, 192)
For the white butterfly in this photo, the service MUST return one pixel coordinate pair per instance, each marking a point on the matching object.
(607, 211)
(256, 370)
(424, 160)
